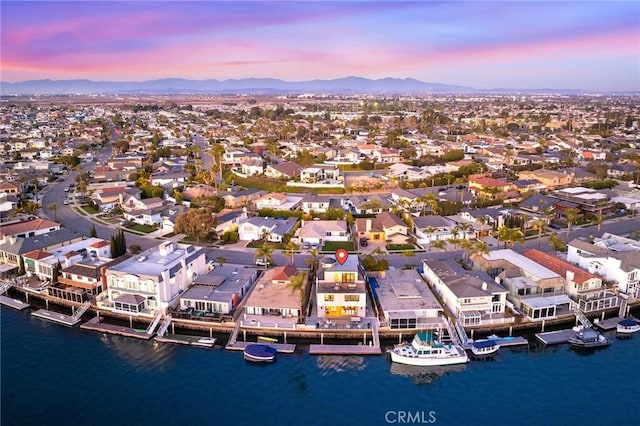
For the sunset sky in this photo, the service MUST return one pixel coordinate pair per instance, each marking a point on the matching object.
(588, 45)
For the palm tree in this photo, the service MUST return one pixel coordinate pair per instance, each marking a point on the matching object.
(265, 252)
(438, 244)
(503, 235)
(290, 249)
(571, 215)
(313, 261)
(54, 209)
(481, 247)
(221, 260)
(464, 228)
(298, 283)
(515, 235)
(540, 224)
(429, 230)
(466, 246)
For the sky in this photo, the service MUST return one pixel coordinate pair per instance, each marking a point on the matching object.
(589, 45)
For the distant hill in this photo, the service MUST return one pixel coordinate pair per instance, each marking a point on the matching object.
(347, 85)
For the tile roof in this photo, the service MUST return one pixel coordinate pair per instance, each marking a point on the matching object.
(558, 266)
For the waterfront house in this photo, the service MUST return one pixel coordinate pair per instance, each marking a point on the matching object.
(583, 287)
(272, 302)
(82, 280)
(321, 231)
(218, 292)
(474, 298)
(341, 288)
(152, 281)
(612, 258)
(534, 290)
(405, 299)
(13, 248)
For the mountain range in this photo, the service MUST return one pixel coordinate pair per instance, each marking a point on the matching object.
(346, 86)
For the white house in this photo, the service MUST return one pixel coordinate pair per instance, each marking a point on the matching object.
(341, 289)
(320, 231)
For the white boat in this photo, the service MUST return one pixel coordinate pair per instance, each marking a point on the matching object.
(485, 347)
(426, 350)
(205, 342)
(628, 326)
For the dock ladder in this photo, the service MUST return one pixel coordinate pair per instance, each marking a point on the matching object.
(375, 335)
(164, 326)
(156, 320)
(582, 318)
(81, 310)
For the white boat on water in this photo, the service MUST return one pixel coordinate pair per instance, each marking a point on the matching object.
(485, 347)
(426, 350)
(628, 326)
(205, 342)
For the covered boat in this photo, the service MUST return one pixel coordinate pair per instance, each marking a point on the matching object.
(628, 326)
(485, 347)
(257, 352)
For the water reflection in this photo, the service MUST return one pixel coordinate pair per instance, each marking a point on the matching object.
(330, 364)
(139, 353)
(422, 375)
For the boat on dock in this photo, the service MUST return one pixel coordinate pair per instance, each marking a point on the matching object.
(205, 342)
(426, 350)
(588, 338)
(258, 352)
(627, 326)
(488, 347)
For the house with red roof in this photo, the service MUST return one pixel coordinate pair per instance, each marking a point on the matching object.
(28, 228)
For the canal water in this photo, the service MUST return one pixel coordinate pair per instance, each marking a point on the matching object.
(54, 375)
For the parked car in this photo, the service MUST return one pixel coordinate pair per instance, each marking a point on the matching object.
(314, 246)
(66, 202)
(306, 245)
(261, 261)
(364, 242)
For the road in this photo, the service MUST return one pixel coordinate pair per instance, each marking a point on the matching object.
(207, 159)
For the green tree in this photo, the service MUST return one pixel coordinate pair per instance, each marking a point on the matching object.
(298, 283)
(92, 231)
(540, 224)
(265, 252)
(54, 209)
(291, 248)
(135, 248)
(440, 245)
(571, 215)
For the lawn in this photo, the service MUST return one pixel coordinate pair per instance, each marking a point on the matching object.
(332, 246)
(399, 247)
(259, 243)
(145, 229)
(90, 209)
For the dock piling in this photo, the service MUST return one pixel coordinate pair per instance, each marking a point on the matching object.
(130, 322)
(510, 330)
(46, 302)
(543, 322)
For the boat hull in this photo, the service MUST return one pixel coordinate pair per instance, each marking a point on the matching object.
(260, 353)
(485, 352)
(428, 361)
(620, 329)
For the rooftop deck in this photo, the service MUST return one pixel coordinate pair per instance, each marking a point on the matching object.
(63, 319)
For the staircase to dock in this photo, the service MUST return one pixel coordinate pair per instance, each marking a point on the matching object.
(156, 320)
(234, 336)
(5, 285)
(582, 318)
(462, 334)
(375, 335)
(621, 313)
(164, 326)
(81, 310)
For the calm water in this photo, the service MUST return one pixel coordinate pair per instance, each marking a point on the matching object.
(54, 375)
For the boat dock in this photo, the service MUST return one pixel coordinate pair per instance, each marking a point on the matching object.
(63, 319)
(509, 341)
(13, 303)
(284, 348)
(610, 323)
(183, 339)
(555, 337)
(94, 325)
(319, 349)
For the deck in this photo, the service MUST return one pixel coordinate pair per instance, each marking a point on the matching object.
(101, 327)
(555, 337)
(610, 323)
(508, 341)
(13, 303)
(56, 317)
(318, 349)
(184, 339)
(284, 348)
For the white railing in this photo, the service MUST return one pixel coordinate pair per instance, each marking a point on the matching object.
(164, 326)
(81, 310)
(154, 323)
(582, 318)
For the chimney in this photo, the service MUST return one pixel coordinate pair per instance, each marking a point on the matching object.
(484, 286)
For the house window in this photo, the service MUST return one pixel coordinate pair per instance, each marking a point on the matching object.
(351, 297)
(348, 277)
(328, 297)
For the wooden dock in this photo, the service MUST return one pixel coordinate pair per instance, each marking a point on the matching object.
(94, 325)
(610, 323)
(555, 337)
(507, 341)
(319, 349)
(284, 348)
(63, 319)
(184, 339)
(13, 303)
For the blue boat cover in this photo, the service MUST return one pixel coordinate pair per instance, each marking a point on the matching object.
(484, 344)
(261, 351)
(628, 322)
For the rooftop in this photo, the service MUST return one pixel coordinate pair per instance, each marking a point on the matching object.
(156, 260)
(404, 290)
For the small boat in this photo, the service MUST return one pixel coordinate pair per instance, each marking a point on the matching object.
(628, 326)
(205, 342)
(257, 352)
(588, 338)
(485, 347)
(426, 350)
